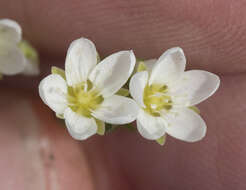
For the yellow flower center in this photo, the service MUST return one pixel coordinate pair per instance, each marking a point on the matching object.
(156, 99)
(83, 98)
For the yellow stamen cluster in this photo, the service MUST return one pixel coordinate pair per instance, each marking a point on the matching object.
(156, 99)
(83, 98)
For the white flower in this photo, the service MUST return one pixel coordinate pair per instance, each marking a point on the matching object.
(12, 60)
(165, 92)
(85, 94)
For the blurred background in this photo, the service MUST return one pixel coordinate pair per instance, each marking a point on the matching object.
(36, 152)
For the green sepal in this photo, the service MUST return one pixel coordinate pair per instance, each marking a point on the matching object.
(60, 116)
(195, 109)
(100, 127)
(161, 141)
(58, 71)
(28, 51)
(141, 67)
(123, 92)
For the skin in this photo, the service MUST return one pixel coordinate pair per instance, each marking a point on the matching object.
(36, 150)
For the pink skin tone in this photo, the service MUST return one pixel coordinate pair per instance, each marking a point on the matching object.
(36, 150)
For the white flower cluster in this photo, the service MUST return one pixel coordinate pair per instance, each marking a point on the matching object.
(163, 93)
(16, 55)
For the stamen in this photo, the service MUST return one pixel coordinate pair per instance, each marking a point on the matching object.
(156, 99)
(84, 98)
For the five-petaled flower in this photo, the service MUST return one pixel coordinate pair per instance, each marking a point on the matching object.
(85, 94)
(165, 93)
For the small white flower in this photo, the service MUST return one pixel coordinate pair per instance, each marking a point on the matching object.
(85, 94)
(165, 92)
(12, 60)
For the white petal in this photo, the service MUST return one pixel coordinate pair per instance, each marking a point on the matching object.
(10, 31)
(195, 86)
(113, 72)
(53, 91)
(150, 64)
(79, 127)
(81, 59)
(168, 67)
(150, 127)
(186, 125)
(117, 110)
(12, 61)
(137, 85)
